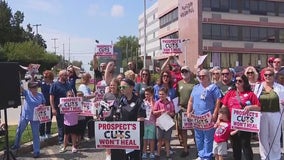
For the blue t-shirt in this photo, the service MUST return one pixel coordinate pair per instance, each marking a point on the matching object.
(45, 88)
(59, 90)
(204, 99)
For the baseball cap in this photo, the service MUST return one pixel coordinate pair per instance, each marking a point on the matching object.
(270, 59)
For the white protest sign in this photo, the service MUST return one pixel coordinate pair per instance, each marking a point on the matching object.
(245, 121)
(104, 50)
(186, 122)
(160, 122)
(70, 105)
(117, 135)
(42, 114)
(88, 109)
(100, 92)
(202, 122)
(170, 46)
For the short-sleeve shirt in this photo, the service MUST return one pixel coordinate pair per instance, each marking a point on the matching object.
(204, 99)
(231, 101)
(167, 105)
(59, 90)
(183, 92)
(171, 92)
(222, 132)
(71, 119)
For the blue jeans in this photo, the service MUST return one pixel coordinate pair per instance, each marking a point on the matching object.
(35, 131)
(60, 127)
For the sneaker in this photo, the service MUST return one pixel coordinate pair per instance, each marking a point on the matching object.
(108, 157)
(144, 156)
(14, 148)
(41, 138)
(47, 136)
(171, 152)
(184, 154)
(152, 156)
(74, 150)
(63, 149)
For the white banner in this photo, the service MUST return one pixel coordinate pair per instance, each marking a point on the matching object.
(245, 121)
(186, 122)
(88, 109)
(171, 46)
(104, 50)
(117, 135)
(202, 122)
(70, 105)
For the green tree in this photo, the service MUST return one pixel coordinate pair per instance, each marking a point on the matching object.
(129, 46)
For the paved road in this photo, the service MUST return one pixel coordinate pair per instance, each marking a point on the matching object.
(50, 151)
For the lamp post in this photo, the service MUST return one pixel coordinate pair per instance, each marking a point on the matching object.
(145, 54)
(185, 50)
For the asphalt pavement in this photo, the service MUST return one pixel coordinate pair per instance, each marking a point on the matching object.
(50, 151)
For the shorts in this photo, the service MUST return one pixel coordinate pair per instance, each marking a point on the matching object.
(220, 148)
(162, 134)
(71, 129)
(149, 131)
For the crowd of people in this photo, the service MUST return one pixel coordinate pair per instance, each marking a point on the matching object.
(216, 91)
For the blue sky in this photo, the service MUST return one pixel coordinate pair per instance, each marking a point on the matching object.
(81, 22)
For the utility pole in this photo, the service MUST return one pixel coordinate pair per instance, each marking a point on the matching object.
(37, 25)
(54, 44)
(63, 56)
(69, 53)
(145, 36)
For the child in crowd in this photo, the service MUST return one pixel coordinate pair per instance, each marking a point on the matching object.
(81, 123)
(163, 105)
(222, 133)
(149, 124)
(70, 127)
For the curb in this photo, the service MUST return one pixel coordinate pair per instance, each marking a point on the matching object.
(28, 147)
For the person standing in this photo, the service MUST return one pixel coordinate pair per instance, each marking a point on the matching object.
(58, 90)
(271, 97)
(33, 99)
(143, 84)
(131, 109)
(184, 89)
(45, 128)
(205, 97)
(241, 97)
(72, 77)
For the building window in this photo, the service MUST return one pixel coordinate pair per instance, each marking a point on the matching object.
(169, 18)
(216, 31)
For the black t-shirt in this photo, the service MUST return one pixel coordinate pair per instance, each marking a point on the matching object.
(132, 109)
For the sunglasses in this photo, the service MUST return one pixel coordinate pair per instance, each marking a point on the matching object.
(215, 73)
(225, 74)
(239, 81)
(201, 76)
(123, 87)
(184, 71)
(166, 76)
(144, 74)
(268, 75)
(250, 72)
(276, 62)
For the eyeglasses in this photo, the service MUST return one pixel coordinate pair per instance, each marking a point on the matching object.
(123, 87)
(215, 73)
(268, 75)
(70, 71)
(276, 62)
(184, 71)
(165, 76)
(144, 74)
(250, 72)
(225, 74)
(239, 81)
(201, 76)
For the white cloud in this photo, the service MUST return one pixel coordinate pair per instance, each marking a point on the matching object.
(117, 10)
(93, 10)
(51, 6)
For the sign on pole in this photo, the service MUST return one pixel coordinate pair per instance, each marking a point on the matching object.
(104, 51)
(171, 46)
